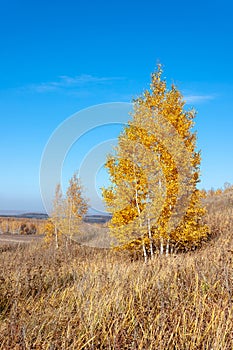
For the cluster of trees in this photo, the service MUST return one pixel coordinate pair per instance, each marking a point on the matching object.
(227, 187)
(153, 197)
(68, 211)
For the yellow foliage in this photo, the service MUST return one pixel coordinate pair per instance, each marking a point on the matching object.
(153, 198)
(49, 231)
(68, 211)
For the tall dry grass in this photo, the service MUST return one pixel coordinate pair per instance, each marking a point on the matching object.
(85, 298)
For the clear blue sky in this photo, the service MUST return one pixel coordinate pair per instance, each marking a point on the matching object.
(58, 57)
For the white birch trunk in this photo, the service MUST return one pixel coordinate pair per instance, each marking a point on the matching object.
(167, 247)
(161, 246)
(172, 249)
(150, 238)
(144, 252)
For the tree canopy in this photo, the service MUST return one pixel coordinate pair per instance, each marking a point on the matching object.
(154, 171)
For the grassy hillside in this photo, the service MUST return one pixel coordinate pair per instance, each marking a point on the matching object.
(85, 298)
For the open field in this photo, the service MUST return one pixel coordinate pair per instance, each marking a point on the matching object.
(21, 230)
(87, 298)
(19, 239)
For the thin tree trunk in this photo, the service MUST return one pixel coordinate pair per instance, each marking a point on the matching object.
(172, 249)
(167, 247)
(150, 238)
(161, 246)
(144, 252)
(56, 237)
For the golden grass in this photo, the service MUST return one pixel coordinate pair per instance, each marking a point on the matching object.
(85, 298)
(25, 226)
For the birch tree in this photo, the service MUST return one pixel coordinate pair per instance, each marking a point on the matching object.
(54, 224)
(154, 171)
(75, 207)
(68, 211)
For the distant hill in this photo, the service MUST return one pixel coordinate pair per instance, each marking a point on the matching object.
(89, 218)
(33, 216)
(20, 214)
(96, 218)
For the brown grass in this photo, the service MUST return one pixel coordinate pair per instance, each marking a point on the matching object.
(22, 226)
(86, 298)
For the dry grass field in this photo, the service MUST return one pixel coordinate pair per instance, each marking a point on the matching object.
(21, 226)
(87, 298)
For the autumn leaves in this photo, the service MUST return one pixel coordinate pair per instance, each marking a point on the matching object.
(153, 198)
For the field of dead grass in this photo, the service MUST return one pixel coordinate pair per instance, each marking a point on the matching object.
(86, 298)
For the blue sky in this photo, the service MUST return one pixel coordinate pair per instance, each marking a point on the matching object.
(59, 57)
